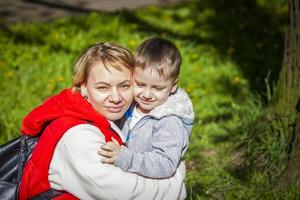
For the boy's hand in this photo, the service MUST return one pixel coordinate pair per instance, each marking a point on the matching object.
(110, 151)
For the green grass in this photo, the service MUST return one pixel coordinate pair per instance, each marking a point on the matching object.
(228, 51)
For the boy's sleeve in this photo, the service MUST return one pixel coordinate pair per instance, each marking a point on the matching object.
(170, 137)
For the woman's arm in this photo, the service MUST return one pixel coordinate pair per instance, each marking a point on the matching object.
(77, 169)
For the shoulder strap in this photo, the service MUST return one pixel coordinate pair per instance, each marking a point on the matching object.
(35, 175)
(49, 194)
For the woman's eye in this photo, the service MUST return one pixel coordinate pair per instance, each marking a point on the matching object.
(125, 86)
(102, 88)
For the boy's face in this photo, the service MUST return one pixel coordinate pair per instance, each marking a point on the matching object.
(150, 89)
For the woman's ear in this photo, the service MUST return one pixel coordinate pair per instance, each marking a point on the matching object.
(83, 91)
(174, 87)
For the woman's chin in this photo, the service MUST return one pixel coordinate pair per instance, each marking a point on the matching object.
(114, 116)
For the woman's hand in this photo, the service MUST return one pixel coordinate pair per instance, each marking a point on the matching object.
(110, 151)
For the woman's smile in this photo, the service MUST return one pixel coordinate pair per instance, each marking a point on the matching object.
(114, 109)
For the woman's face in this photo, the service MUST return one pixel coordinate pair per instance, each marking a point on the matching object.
(109, 91)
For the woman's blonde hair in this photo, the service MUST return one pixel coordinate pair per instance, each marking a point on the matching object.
(109, 54)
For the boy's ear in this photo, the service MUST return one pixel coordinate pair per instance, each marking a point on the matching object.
(174, 87)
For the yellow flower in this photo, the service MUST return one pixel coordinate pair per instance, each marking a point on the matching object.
(189, 88)
(61, 79)
(9, 74)
(55, 35)
(237, 79)
(132, 42)
(196, 68)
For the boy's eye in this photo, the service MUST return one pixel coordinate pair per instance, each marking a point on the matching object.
(140, 84)
(159, 88)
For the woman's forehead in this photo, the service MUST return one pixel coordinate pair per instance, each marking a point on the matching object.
(100, 73)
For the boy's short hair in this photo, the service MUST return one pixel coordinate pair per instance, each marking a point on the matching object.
(109, 54)
(161, 55)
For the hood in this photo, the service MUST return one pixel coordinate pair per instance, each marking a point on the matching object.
(178, 104)
(65, 104)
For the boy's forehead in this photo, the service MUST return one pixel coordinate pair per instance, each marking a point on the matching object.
(156, 69)
(149, 75)
(148, 71)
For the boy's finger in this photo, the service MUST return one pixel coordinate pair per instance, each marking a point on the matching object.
(107, 147)
(107, 160)
(106, 154)
(101, 153)
(114, 141)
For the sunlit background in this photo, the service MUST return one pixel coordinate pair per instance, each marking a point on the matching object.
(232, 53)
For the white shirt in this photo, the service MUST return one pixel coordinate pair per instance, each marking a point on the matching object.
(77, 168)
(136, 116)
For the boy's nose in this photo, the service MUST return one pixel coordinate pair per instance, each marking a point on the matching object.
(147, 94)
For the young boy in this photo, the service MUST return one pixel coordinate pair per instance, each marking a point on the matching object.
(159, 123)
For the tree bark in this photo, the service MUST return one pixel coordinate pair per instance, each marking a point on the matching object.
(279, 124)
(286, 99)
(292, 172)
(288, 87)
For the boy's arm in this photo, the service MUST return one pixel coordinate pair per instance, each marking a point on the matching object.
(169, 139)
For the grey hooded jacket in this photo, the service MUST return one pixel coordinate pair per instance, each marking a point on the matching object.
(158, 141)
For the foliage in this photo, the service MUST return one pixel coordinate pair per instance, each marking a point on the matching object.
(227, 49)
(267, 147)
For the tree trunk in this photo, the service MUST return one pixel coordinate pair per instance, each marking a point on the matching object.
(287, 95)
(273, 143)
(292, 172)
(288, 87)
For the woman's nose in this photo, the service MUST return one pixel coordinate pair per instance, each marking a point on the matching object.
(115, 96)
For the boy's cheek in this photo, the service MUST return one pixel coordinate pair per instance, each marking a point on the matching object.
(136, 90)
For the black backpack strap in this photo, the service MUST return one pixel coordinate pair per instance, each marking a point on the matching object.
(47, 195)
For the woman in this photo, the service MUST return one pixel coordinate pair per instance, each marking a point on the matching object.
(76, 122)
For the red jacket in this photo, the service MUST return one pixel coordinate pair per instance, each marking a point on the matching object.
(56, 115)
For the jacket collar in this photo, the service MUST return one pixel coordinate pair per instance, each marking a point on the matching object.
(65, 104)
(178, 104)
